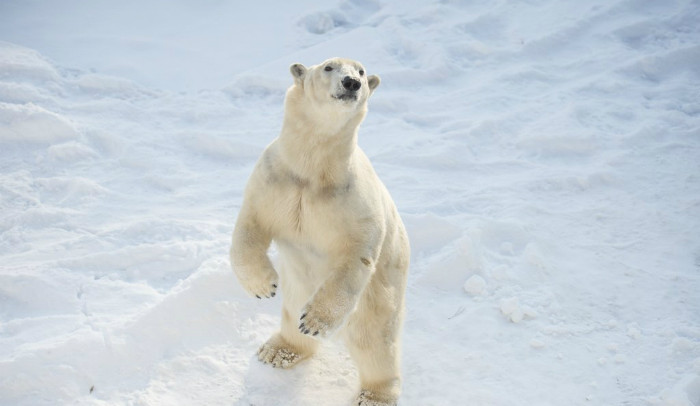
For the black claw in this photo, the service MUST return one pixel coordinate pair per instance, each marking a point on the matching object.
(301, 327)
(273, 294)
(316, 333)
(274, 285)
(258, 296)
(306, 331)
(302, 316)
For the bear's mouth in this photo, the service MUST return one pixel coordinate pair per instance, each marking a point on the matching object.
(348, 96)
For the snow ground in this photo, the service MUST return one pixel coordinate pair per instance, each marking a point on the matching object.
(545, 157)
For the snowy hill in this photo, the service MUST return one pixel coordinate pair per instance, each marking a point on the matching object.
(545, 157)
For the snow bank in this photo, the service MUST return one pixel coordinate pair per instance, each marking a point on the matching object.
(23, 64)
(29, 123)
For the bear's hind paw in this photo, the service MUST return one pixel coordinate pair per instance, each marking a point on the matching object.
(278, 356)
(368, 398)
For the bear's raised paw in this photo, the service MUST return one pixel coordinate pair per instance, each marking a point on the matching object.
(261, 284)
(317, 321)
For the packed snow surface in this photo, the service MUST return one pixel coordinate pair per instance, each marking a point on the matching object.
(544, 155)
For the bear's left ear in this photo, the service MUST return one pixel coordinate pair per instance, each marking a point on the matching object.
(373, 81)
(298, 72)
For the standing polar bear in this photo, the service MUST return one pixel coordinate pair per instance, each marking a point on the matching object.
(343, 250)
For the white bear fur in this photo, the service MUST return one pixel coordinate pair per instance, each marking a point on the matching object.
(343, 249)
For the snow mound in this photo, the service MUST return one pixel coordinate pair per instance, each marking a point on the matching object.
(685, 393)
(24, 64)
(29, 123)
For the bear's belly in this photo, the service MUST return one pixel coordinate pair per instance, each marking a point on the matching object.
(303, 265)
(303, 252)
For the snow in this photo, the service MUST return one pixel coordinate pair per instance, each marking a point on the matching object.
(544, 155)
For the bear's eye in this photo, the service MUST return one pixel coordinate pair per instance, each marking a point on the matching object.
(362, 72)
(328, 68)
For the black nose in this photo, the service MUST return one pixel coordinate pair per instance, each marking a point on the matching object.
(351, 84)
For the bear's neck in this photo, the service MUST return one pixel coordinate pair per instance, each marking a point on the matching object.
(319, 151)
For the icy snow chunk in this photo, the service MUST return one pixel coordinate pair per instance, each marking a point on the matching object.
(512, 309)
(475, 285)
(517, 316)
(508, 306)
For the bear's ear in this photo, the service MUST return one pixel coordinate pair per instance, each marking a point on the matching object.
(373, 81)
(298, 72)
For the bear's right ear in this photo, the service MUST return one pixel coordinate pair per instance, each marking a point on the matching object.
(298, 72)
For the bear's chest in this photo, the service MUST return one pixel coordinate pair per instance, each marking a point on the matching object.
(317, 215)
(319, 210)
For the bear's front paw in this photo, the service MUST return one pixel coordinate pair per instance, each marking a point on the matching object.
(318, 320)
(259, 284)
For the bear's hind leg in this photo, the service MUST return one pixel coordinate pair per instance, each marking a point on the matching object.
(377, 360)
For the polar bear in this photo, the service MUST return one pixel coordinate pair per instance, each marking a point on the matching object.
(343, 249)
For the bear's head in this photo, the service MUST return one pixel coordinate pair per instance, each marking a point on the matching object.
(333, 88)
